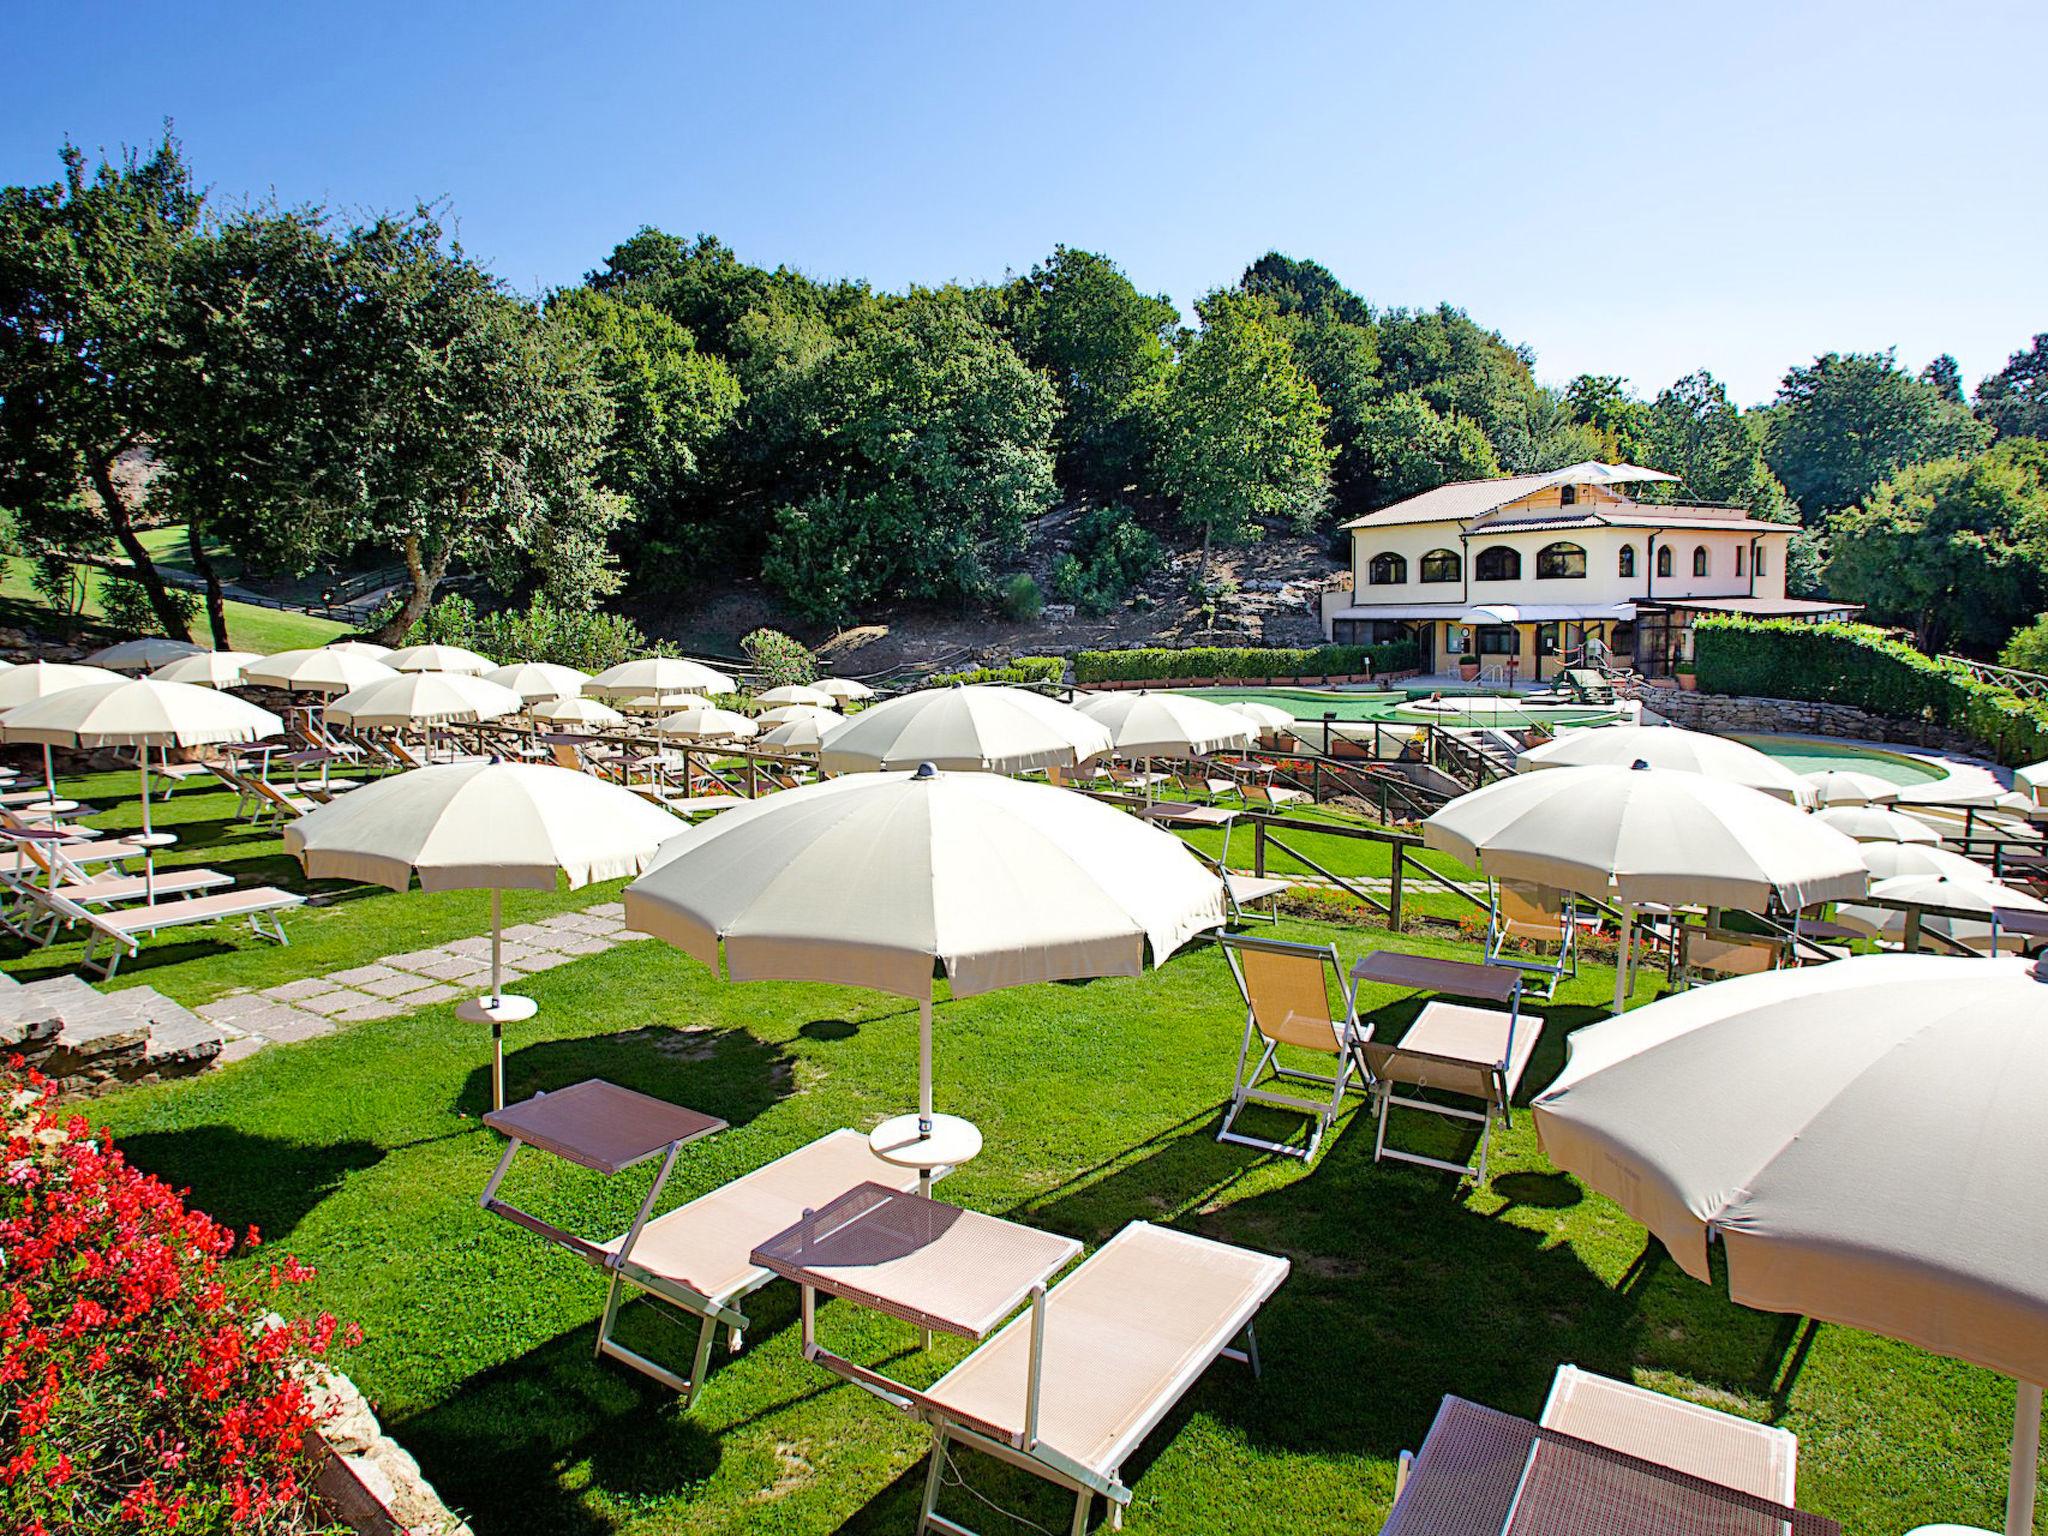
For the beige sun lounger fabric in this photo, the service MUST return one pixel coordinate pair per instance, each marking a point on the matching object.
(1737, 1453)
(1126, 1335)
(1475, 1053)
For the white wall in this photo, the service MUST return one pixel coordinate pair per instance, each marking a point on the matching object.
(1602, 584)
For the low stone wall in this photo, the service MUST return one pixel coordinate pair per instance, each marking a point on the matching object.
(370, 1480)
(1320, 680)
(1727, 714)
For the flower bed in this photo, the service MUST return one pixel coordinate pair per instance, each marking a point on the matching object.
(143, 1386)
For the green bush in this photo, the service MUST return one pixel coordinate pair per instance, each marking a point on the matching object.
(126, 608)
(1026, 670)
(1236, 663)
(1861, 666)
(2028, 648)
(570, 637)
(781, 660)
(1022, 601)
(1111, 555)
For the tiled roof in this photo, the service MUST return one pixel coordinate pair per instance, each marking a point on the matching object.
(1463, 500)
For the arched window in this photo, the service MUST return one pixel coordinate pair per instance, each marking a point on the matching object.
(1568, 496)
(1560, 562)
(1387, 570)
(1625, 564)
(1497, 562)
(1699, 560)
(1664, 561)
(1441, 565)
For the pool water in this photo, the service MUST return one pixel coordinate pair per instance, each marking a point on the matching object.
(1803, 754)
(1312, 704)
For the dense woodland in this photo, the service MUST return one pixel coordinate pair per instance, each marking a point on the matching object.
(314, 390)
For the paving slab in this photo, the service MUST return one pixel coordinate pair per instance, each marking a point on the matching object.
(302, 1026)
(576, 922)
(480, 945)
(360, 975)
(292, 991)
(327, 1004)
(580, 944)
(528, 933)
(426, 995)
(607, 909)
(447, 968)
(541, 960)
(376, 1008)
(242, 1049)
(392, 985)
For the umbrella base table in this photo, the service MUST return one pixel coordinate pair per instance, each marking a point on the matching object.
(505, 1008)
(952, 1141)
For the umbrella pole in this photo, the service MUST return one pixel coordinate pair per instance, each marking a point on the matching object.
(2026, 1459)
(148, 852)
(1621, 959)
(924, 1066)
(49, 777)
(497, 1002)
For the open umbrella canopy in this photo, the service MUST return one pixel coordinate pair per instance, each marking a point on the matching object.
(2032, 780)
(971, 728)
(1146, 724)
(801, 735)
(782, 714)
(1649, 835)
(874, 880)
(1874, 824)
(143, 655)
(1264, 716)
(1667, 747)
(796, 693)
(1847, 786)
(325, 670)
(208, 669)
(439, 658)
(40, 679)
(538, 681)
(367, 649)
(137, 712)
(658, 675)
(1886, 861)
(468, 826)
(706, 725)
(844, 690)
(1986, 898)
(583, 712)
(422, 698)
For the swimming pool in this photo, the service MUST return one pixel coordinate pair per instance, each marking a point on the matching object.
(1808, 754)
(1406, 708)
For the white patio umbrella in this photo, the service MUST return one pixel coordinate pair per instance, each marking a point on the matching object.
(143, 655)
(658, 675)
(844, 690)
(1264, 716)
(2032, 780)
(1875, 824)
(141, 713)
(495, 826)
(1668, 747)
(38, 680)
(588, 713)
(538, 681)
(439, 658)
(796, 693)
(706, 725)
(367, 649)
(1887, 861)
(1985, 897)
(423, 698)
(1866, 1140)
(670, 703)
(1146, 724)
(801, 735)
(1848, 786)
(969, 728)
(325, 670)
(883, 880)
(1641, 834)
(208, 669)
(782, 714)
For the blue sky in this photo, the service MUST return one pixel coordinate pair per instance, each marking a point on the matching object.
(1640, 189)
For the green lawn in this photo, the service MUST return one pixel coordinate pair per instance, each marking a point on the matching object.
(250, 627)
(362, 1153)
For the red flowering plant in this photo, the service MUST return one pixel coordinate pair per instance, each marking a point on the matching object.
(145, 1386)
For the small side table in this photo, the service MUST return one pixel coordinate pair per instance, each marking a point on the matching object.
(952, 1141)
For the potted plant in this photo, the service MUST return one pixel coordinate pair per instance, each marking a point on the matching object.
(1687, 680)
(1468, 667)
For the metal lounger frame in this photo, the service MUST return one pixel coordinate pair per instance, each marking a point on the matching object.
(1348, 1037)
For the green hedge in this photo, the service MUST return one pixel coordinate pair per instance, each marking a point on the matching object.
(1237, 663)
(1025, 669)
(1865, 668)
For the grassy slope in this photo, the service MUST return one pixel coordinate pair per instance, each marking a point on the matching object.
(362, 1153)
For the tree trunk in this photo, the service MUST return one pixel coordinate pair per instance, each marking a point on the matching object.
(426, 572)
(145, 568)
(216, 601)
(1202, 570)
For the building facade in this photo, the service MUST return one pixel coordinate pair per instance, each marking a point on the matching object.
(1522, 571)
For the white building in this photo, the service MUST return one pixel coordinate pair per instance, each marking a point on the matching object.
(1520, 571)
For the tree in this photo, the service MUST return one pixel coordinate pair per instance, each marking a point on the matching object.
(2013, 402)
(1460, 368)
(1619, 421)
(1946, 375)
(85, 285)
(1305, 288)
(1849, 422)
(927, 450)
(1405, 448)
(1956, 549)
(1241, 427)
(1081, 321)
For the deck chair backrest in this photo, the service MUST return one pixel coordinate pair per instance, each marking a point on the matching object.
(70, 911)
(1419, 1069)
(1532, 911)
(568, 756)
(1732, 954)
(1286, 987)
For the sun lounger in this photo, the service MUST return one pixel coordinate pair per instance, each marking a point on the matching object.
(1537, 914)
(123, 929)
(1274, 797)
(1117, 1344)
(1588, 686)
(1738, 1453)
(698, 1257)
(1451, 1048)
(275, 802)
(1287, 995)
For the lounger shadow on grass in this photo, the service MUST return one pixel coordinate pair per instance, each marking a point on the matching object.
(729, 1073)
(241, 1179)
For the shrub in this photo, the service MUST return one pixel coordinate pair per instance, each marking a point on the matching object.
(1026, 670)
(127, 610)
(1022, 601)
(1111, 555)
(143, 1385)
(781, 660)
(571, 637)
(1863, 667)
(58, 582)
(1236, 663)
(2028, 648)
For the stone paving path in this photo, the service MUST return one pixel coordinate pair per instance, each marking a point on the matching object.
(317, 1005)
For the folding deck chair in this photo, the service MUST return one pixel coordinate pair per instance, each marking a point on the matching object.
(1539, 914)
(1286, 991)
(123, 928)
(696, 1258)
(1274, 797)
(63, 876)
(1738, 1453)
(1473, 1053)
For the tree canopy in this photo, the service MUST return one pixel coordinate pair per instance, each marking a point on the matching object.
(1846, 423)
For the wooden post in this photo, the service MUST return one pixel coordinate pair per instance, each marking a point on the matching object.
(1911, 938)
(753, 777)
(1259, 848)
(1394, 888)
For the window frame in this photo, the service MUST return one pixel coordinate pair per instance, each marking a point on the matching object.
(1508, 553)
(1456, 566)
(1565, 550)
(1395, 564)
(1702, 562)
(1625, 562)
(1665, 563)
